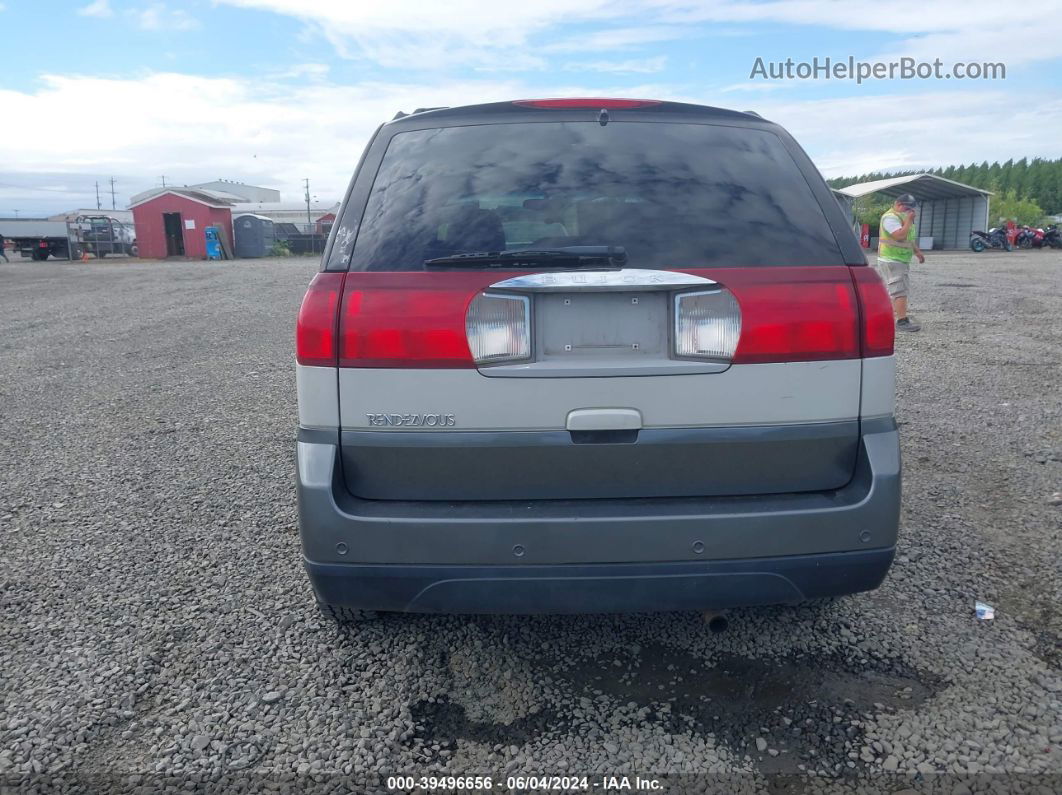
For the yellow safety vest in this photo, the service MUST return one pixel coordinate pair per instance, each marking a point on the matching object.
(900, 251)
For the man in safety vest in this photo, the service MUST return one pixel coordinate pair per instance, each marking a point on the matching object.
(897, 243)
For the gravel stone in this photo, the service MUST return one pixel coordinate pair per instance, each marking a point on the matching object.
(200, 742)
(160, 634)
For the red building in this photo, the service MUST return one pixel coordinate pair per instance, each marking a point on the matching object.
(324, 223)
(171, 222)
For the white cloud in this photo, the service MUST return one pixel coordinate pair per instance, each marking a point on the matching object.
(621, 38)
(474, 19)
(158, 16)
(268, 133)
(97, 8)
(426, 34)
(981, 30)
(304, 71)
(757, 88)
(277, 132)
(636, 66)
(865, 133)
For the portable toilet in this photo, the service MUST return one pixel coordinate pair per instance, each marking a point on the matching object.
(254, 235)
(213, 242)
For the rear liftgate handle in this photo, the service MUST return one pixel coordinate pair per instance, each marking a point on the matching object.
(608, 426)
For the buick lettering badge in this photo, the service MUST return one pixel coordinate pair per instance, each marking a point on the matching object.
(413, 420)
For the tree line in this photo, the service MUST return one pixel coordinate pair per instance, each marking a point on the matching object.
(1024, 190)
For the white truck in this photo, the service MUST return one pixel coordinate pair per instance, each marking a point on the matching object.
(40, 239)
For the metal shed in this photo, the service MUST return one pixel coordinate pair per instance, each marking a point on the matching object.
(255, 235)
(949, 210)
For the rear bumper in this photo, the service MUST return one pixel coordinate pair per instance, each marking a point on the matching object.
(599, 588)
(597, 555)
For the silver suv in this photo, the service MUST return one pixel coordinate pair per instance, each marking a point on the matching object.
(592, 355)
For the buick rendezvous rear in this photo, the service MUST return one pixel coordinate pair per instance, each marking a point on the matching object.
(592, 355)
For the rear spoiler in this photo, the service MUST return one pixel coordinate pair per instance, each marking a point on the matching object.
(403, 114)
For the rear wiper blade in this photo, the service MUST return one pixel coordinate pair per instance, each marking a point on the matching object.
(561, 257)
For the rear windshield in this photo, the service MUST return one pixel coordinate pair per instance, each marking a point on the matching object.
(674, 195)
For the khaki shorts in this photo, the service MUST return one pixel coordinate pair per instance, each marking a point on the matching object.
(896, 276)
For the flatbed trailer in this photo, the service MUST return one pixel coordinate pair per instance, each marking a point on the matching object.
(40, 239)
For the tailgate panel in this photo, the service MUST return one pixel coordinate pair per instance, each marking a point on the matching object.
(684, 462)
(460, 435)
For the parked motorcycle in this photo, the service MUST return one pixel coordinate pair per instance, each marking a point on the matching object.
(993, 238)
(1029, 237)
(1052, 237)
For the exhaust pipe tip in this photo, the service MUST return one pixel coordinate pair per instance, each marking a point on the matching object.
(717, 622)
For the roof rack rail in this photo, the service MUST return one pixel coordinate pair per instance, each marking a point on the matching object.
(400, 115)
(425, 110)
(753, 113)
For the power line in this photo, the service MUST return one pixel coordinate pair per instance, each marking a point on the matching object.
(35, 190)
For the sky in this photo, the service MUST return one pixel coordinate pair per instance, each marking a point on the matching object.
(274, 91)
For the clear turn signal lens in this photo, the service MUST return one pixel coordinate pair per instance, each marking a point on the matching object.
(499, 328)
(707, 325)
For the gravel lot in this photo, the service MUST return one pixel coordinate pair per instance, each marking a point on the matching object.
(158, 629)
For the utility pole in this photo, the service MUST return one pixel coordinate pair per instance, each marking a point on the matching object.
(163, 180)
(309, 221)
(114, 202)
(16, 215)
(98, 205)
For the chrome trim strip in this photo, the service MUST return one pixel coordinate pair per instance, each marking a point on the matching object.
(600, 281)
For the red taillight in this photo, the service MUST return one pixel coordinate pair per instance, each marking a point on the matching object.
(875, 308)
(315, 330)
(792, 314)
(414, 319)
(418, 319)
(587, 102)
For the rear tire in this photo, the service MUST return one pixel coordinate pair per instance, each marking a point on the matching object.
(977, 245)
(345, 616)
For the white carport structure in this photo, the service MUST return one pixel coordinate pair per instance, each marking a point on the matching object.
(948, 210)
